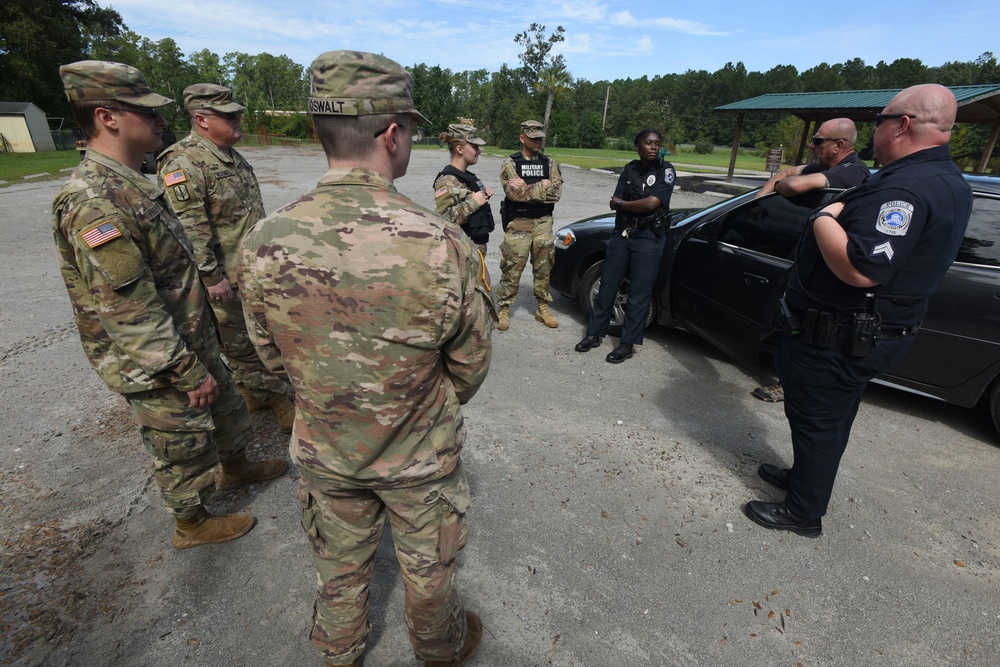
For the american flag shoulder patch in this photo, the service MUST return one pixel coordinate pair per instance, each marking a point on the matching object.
(100, 234)
(174, 177)
(440, 192)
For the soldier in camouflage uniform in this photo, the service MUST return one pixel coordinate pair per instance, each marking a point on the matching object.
(213, 191)
(459, 195)
(533, 184)
(379, 310)
(142, 312)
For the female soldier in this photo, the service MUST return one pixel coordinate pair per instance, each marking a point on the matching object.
(458, 194)
(642, 202)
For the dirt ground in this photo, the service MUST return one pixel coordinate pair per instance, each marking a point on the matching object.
(606, 526)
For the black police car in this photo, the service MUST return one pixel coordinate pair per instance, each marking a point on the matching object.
(724, 268)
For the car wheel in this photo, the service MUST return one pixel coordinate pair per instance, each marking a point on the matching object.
(590, 284)
(995, 404)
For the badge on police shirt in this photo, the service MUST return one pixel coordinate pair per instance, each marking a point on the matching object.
(650, 180)
(894, 218)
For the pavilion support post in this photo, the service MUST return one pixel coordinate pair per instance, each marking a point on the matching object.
(736, 148)
(984, 162)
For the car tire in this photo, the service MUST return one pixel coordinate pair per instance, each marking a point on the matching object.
(995, 404)
(589, 286)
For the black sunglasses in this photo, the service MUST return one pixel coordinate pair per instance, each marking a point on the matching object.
(816, 141)
(230, 115)
(879, 117)
(386, 129)
(138, 111)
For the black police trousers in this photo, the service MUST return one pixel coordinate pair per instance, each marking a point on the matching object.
(639, 255)
(823, 390)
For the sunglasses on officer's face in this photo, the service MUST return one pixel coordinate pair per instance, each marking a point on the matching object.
(879, 117)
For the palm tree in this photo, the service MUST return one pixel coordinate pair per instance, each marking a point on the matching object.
(554, 80)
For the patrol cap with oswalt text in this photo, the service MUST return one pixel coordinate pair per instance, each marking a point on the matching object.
(533, 129)
(94, 80)
(466, 133)
(210, 96)
(354, 83)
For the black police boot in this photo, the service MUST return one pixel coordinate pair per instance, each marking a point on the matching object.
(777, 516)
(620, 353)
(774, 475)
(587, 343)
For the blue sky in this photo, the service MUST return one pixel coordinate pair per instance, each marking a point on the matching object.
(604, 40)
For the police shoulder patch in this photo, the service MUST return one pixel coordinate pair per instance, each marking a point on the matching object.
(894, 218)
(174, 177)
(668, 175)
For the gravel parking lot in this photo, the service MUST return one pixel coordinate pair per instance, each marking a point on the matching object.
(606, 528)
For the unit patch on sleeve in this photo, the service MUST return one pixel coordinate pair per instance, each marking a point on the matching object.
(894, 218)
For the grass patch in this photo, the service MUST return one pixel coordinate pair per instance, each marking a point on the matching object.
(609, 158)
(13, 166)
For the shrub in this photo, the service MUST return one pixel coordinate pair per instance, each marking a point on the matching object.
(704, 146)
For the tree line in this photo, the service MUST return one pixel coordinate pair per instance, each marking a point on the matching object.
(36, 36)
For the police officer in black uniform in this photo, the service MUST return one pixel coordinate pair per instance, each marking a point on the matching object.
(864, 272)
(642, 202)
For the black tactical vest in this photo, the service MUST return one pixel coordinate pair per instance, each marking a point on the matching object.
(478, 225)
(532, 171)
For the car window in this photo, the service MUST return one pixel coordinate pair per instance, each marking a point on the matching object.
(981, 244)
(770, 225)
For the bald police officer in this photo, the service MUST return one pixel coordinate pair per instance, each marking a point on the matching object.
(533, 184)
(379, 310)
(139, 304)
(213, 191)
(864, 272)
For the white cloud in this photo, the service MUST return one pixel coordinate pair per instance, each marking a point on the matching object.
(624, 18)
(589, 11)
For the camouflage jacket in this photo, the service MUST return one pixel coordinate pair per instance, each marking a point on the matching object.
(217, 199)
(535, 193)
(381, 313)
(143, 316)
(453, 199)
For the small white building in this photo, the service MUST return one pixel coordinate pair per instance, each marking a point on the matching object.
(23, 128)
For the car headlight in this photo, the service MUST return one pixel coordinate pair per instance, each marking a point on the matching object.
(565, 238)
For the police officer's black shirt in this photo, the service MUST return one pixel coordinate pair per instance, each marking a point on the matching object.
(848, 173)
(905, 225)
(637, 182)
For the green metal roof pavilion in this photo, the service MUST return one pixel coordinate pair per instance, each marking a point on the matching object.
(976, 104)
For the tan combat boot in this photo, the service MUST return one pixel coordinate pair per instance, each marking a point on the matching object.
(253, 403)
(472, 638)
(284, 410)
(504, 318)
(240, 471)
(544, 315)
(204, 528)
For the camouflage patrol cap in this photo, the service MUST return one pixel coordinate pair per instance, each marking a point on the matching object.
(532, 129)
(465, 133)
(210, 96)
(354, 83)
(88, 80)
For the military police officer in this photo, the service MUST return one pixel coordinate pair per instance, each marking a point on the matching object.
(533, 184)
(459, 195)
(139, 304)
(213, 191)
(860, 286)
(379, 310)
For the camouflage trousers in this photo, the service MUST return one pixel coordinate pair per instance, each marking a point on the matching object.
(247, 369)
(186, 443)
(344, 527)
(526, 237)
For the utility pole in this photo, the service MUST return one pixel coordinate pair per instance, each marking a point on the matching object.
(604, 121)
